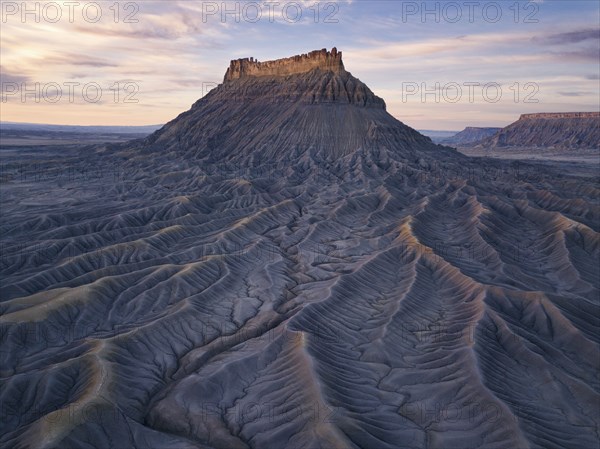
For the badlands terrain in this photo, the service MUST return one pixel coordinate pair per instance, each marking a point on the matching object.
(286, 265)
(30, 134)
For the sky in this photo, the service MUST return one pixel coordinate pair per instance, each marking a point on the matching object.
(438, 65)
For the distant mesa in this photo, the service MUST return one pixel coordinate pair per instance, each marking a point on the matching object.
(554, 131)
(318, 59)
(470, 135)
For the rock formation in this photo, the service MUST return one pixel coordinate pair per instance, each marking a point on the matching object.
(469, 136)
(549, 131)
(311, 104)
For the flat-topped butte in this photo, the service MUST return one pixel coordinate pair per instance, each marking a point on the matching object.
(322, 59)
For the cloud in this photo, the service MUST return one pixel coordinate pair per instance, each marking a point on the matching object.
(8, 77)
(157, 33)
(570, 37)
(78, 60)
(159, 24)
(572, 94)
(191, 82)
(583, 55)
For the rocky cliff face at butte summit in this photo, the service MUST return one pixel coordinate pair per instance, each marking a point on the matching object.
(288, 265)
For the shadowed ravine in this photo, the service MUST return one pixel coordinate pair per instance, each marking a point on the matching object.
(308, 273)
